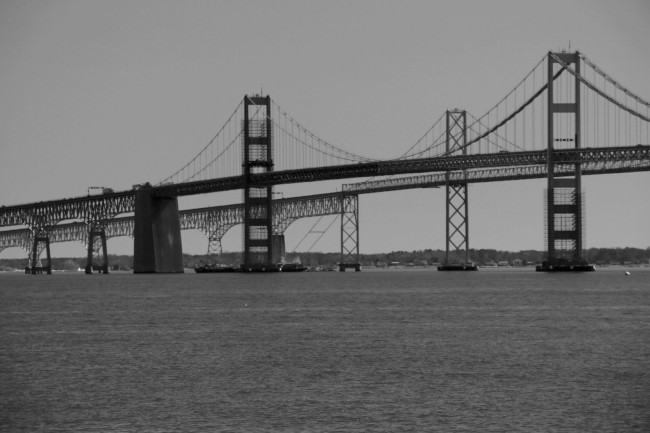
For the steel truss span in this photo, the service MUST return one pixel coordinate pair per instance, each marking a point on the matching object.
(436, 180)
(211, 221)
(633, 155)
(215, 221)
(105, 207)
(49, 213)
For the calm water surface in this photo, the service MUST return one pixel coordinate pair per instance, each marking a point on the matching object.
(375, 351)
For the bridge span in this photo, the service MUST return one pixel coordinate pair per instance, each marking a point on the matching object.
(578, 121)
(215, 221)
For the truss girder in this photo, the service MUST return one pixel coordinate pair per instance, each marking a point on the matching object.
(21, 238)
(465, 162)
(287, 211)
(394, 167)
(119, 227)
(436, 180)
(212, 220)
(49, 213)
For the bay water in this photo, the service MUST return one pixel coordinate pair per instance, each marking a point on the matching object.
(503, 350)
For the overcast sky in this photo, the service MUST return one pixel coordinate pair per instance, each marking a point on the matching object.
(112, 93)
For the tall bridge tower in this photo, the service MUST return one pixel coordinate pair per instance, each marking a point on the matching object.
(258, 200)
(564, 226)
(457, 215)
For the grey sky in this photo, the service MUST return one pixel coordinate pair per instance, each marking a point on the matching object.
(112, 93)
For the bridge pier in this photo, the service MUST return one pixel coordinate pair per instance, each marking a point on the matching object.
(97, 231)
(41, 241)
(157, 233)
(279, 249)
(349, 233)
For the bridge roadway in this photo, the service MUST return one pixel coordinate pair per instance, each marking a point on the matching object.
(107, 206)
(506, 166)
(215, 221)
(424, 165)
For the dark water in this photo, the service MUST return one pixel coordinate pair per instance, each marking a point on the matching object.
(384, 351)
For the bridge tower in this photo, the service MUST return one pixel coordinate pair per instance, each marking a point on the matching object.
(564, 217)
(349, 232)
(457, 215)
(258, 199)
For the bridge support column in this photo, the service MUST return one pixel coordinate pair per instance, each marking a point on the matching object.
(564, 203)
(258, 199)
(279, 249)
(157, 232)
(97, 240)
(41, 242)
(349, 233)
(457, 215)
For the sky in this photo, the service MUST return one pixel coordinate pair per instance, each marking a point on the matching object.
(114, 93)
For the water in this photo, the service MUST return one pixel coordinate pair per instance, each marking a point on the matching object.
(380, 351)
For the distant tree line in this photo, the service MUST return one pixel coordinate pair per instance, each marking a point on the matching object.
(599, 256)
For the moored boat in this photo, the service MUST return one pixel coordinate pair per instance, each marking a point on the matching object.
(291, 267)
(564, 265)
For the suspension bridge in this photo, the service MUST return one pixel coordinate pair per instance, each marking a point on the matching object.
(566, 118)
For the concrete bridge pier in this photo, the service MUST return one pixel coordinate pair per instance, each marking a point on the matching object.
(157, 232)
(279, 251)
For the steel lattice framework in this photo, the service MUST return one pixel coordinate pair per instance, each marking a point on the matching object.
(436, 180)
(213, 221)
(506, 166)
(457, 233)
(350, 233)
(288, 210)
(602, 155)
(49, 213)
